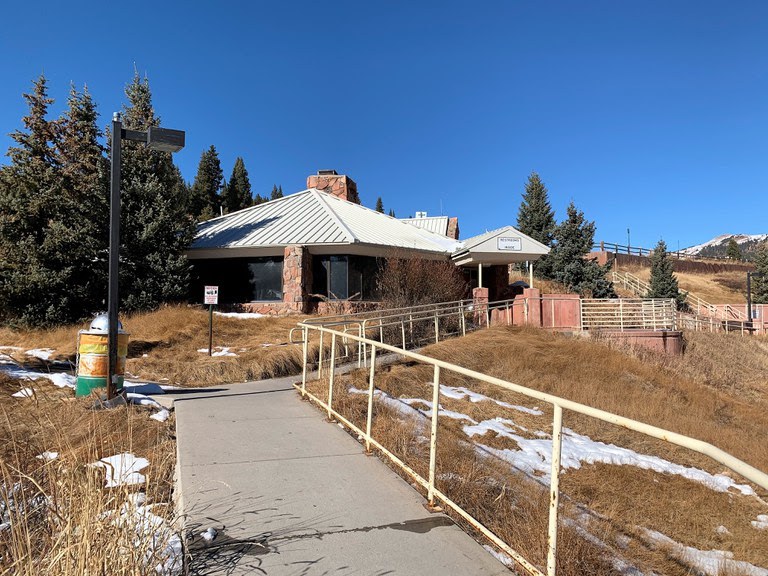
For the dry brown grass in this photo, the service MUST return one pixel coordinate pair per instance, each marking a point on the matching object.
(720, 288)
(73, 530)
(690, 395)
(164, 346)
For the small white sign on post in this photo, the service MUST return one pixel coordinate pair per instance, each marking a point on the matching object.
(211, 295)
(509, 243)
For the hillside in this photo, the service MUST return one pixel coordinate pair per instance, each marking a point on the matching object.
(718, 246)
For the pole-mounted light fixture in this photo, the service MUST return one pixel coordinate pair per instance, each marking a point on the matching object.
(163, 140)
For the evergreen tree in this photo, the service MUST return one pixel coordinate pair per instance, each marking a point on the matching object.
(573, 240)
(205, 195)
(156, 229)
(760, 283)
(663, 280)
(259, 199)
(536, 219)
(379, 205)
(237, 194)
(733, 252)
(32, 284)
(391, 212)
(276, 192)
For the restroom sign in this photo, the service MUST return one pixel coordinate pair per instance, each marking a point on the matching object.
(211, 294)
(509, 243)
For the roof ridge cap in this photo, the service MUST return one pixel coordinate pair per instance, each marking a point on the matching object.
(321, 197)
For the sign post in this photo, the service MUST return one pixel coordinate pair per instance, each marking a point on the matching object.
(211, 298)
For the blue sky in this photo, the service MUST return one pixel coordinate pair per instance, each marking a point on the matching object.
(649, 115)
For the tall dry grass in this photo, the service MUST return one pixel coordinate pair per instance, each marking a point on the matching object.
(61, 520)
(720, 288)
(164, 346)
(606, 506)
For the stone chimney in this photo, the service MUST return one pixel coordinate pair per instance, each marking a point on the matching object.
(453, 228)
(337, 184)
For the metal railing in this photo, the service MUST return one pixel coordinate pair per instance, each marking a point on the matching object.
(646, 252)
(697, 305)
(628, 314)
(559, 404)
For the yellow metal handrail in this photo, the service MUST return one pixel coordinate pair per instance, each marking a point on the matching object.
(559, 404)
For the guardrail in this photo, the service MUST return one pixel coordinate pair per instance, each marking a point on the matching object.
(646, 252)
(559, 405)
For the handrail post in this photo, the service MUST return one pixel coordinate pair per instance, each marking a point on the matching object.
(369, 418)
(320, 358)
(554, 489)
(402, 329)
(433, 435)
(304, 368)
(331, 375)
(437, 329)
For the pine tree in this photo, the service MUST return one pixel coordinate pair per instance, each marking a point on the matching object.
(379, 205)
(391, 212)
(276, 192)
(536, 219)
(573, 240)
(760, 282)
(259, 199)
(663, 280)
(156, 229)
(35, 269)
(205, 196)
(733, 252)
(237, 194)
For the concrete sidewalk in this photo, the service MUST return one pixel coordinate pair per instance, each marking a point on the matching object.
(291, 494)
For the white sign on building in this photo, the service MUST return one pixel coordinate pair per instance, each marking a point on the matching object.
(510, 243)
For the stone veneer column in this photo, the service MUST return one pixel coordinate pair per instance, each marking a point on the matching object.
(480, 305)
(297, 272)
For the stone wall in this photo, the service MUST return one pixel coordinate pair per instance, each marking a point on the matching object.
(337, 184)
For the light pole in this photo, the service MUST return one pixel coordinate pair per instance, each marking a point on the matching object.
(749, 294)
(161, 139)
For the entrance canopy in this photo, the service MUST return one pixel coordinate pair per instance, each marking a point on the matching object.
(503, 246)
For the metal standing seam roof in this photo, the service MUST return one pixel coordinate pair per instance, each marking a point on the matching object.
(313, 217)
(436, 224)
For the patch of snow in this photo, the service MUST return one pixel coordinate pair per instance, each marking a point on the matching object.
(761, 523)
(385, 398)
(161, 416)
(122, 469)
(47, 456)
(164, 543)
(413, 402)
(41, 353)
(59, 379)
(240, 315)
(500, 556)
(209, 535)
(24, 393)
(710, 562)
(723, 531)
(62, 380)
(534, 456)
(461, 393)
(143, 388)
(220, 351)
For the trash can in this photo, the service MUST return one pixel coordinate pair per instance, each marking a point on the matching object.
(93, 356)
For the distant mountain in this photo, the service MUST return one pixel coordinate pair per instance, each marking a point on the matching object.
(717, 247)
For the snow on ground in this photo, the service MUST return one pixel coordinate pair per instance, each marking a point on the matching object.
(24, 393)
(47, 456)
(122, 469)
(707, 561)
(220, 351)
(240, 315)
(142, 400)
(535, 456)
(761, 523)
(462, 393)
(164, 543)
(12, 369)
(41, 353)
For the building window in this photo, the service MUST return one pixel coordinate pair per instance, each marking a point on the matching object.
(240, 279)
(345, 277)
(266, 279)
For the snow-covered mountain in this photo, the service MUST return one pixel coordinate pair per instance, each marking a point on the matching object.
(719, 244)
